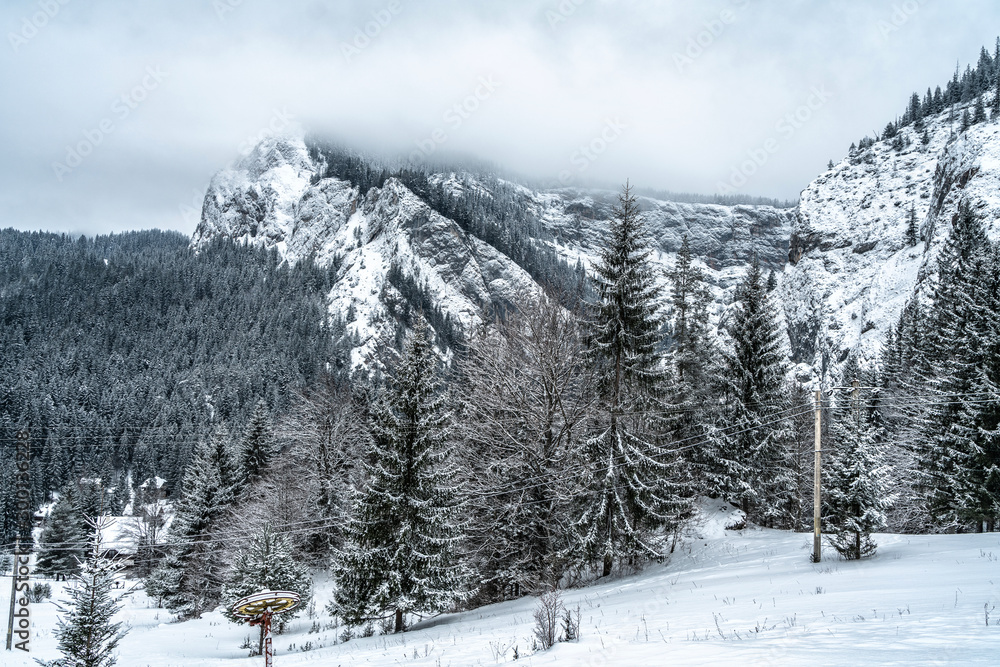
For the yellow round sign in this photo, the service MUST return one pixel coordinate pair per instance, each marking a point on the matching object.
(257, 604)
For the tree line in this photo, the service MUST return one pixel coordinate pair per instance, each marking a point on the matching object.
(976, 90)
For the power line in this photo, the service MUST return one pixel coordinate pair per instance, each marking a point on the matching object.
(521, 488)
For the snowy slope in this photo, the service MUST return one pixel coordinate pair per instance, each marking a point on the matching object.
(851, 271)
(724, 598)
(275, 197)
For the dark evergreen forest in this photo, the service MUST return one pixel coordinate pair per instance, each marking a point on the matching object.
(121, 352)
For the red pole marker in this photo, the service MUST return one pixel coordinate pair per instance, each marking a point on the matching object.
(260, 607)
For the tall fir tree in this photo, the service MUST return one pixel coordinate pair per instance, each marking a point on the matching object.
(857, 493)
(86, 633)
(912, 234)
(9, 528)
(633, 485)
(957, 348)
(690, 298)
(64, 537)
(402, 556)
(257, 447)
(191, 576)
(995, 82)
(979, 112)
(753, 468)
(266, 563)
(693, 362)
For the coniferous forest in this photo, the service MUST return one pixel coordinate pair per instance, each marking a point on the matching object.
(120, 353)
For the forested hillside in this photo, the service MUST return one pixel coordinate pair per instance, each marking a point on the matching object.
(120, 352)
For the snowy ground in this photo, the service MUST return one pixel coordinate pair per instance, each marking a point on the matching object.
(727, 598)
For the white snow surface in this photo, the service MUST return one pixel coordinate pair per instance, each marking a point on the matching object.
(724, 598)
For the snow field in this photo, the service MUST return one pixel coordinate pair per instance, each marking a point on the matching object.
(725, 598)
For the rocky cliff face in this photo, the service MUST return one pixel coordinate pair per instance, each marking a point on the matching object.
(847, 267)
(851, 269)
(269, 199)
(277, 197)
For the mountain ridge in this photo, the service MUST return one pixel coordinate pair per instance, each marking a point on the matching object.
(458, 238)
(471, 244)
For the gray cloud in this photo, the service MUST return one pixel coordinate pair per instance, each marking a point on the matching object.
(695, 87)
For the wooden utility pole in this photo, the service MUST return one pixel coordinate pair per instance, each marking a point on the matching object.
(13, 594)
(816, 478)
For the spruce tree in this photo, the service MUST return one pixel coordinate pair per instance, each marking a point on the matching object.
(633, 487)
(257, 447)
(693, 360)
(960, 362)
(266, 563)
(190, 578)
(857, 483)
(401, 554)
(9, 528)
(976, 436)
(979, 114)
(63, 540)
(92, 498)
(914, 111)
(689, 300)
(753, 468)
(995, 105)
(912, 234)
(87, 635)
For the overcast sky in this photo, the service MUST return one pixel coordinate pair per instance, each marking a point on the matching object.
(116, 114)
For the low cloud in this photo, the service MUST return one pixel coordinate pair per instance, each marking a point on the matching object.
(383, 74)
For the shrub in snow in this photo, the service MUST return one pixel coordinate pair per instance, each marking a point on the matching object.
(39, 593)
(547, 615)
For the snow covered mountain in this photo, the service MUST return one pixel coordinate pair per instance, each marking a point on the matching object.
(280, 196)
(847, 265)
(851, 269)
